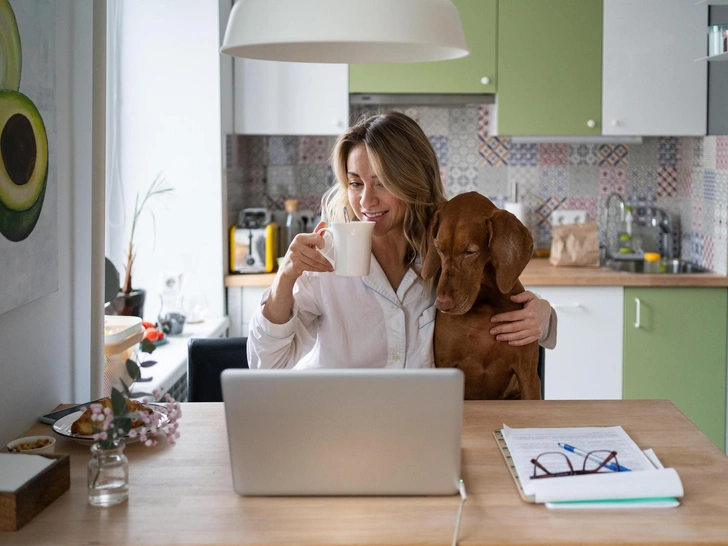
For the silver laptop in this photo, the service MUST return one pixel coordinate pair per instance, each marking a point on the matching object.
(344, 432)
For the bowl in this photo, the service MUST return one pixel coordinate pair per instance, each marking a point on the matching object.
(44, 444)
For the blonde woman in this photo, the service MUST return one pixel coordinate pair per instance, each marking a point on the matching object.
(387, 172)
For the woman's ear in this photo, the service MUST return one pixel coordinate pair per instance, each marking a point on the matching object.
(431, 260)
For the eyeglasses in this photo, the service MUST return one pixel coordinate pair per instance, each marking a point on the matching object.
(553, 464)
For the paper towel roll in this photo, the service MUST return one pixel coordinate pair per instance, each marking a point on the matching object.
(518, 210)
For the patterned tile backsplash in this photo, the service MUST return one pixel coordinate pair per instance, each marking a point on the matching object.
(687, 177)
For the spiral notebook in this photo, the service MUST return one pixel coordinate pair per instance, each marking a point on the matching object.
(648, 485)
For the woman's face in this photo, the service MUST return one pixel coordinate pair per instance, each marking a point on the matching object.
(369, 199)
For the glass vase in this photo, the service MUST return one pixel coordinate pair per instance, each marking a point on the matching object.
(108, 476)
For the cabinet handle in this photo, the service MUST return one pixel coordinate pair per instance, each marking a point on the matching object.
(638, 308)
(485, 80)
(591, 124)
(615, 123)
(568, 306)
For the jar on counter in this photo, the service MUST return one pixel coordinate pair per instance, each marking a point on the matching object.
(717, 39)
(652, 262)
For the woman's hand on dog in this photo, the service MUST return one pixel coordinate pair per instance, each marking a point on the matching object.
(525, 325)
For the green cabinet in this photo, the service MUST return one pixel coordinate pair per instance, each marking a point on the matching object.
(675, 349)
(456, 76)
(549, 67)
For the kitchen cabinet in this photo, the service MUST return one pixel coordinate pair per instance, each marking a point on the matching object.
(550, 67)
(652, 85)
(586, 363)
(242, 303)
(473, 74)
(675, 348)
(280, 98)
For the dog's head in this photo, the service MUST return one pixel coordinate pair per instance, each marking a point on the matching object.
(473, 242)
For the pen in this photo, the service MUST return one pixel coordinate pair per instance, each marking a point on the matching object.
(610, 466)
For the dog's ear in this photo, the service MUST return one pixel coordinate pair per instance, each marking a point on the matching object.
(431, 261)
(511, 246)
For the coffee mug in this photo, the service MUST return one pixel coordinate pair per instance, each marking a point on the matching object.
(348, 246)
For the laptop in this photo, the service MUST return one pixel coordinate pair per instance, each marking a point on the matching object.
(344, 431)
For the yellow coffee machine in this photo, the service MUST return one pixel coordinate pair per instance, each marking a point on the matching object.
(254, 242)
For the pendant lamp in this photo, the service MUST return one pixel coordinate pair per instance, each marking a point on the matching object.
(345, 31)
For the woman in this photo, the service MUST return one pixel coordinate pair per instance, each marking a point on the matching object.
(387, 173)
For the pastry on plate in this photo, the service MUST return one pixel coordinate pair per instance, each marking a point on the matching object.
(83, 425)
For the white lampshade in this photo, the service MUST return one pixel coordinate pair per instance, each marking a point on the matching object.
(345, 31)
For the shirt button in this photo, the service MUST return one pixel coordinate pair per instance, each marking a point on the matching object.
(395, 358)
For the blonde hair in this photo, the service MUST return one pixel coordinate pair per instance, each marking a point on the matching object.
(405, 163)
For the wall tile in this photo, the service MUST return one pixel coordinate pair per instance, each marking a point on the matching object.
(553, 155)
(583, 155)
(493, 151)
(667, 152)
(687, 176)
(611, 155)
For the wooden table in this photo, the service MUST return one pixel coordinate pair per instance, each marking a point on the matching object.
(183, 494)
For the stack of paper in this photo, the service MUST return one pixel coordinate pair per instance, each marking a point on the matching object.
(647, 484)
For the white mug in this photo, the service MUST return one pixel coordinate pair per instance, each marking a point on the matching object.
(348, 246)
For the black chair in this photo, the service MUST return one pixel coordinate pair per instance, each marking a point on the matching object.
(540, 369)
(206, 359)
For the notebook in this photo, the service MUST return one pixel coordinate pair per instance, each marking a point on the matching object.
(344, 431)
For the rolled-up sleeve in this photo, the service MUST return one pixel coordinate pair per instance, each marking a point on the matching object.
(283, 345)
(548, 339)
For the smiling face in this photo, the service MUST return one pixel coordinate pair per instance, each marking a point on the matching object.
(368, 197)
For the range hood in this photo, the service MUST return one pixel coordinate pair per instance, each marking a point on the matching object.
(420, 99)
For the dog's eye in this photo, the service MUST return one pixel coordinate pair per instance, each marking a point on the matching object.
(471, 252)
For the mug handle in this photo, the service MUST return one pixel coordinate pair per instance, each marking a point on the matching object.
(328, 244)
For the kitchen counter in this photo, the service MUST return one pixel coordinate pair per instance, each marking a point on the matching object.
(539, 272)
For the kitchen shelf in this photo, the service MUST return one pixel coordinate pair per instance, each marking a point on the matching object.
(721, 57)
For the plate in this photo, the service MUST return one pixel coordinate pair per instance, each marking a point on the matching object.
(63, 425)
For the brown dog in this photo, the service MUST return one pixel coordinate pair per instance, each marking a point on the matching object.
(480, 250)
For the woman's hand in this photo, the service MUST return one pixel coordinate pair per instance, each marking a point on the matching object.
(525, 325)
(303, 256)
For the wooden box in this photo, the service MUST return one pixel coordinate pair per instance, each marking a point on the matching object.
(20, 506)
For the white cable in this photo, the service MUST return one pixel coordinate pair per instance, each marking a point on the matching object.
(463, 498)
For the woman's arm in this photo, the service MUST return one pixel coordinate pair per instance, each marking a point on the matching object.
(535, 322)
(301, 256)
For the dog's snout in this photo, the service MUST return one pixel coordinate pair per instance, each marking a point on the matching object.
(444, 304)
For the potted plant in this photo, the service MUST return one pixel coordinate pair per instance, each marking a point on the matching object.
(130, 301)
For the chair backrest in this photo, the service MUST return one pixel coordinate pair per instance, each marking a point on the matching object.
(206, 359)
(541, 369)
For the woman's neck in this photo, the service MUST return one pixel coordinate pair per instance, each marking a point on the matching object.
(391, 251)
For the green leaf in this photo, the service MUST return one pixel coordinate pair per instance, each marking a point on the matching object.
(133, 370)
(148, 346)
(147, 363)
(127, 392)
(141, 395)
(118, 403)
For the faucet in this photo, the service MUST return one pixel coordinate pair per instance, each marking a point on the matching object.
(622, 205)
(666, 226)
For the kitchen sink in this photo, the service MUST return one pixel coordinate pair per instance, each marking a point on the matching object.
(670, 267)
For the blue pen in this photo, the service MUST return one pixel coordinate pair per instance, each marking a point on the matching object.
(610, 466)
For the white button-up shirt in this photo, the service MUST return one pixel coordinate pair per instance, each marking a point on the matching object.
(349, 322)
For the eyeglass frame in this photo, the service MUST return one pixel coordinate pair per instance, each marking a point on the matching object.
(571, 471)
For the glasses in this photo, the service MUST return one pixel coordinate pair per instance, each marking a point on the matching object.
(553, 464)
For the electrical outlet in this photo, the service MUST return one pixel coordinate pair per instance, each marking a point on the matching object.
(563, 217)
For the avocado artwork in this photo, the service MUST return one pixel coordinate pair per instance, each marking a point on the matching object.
(23, 140)
(29, 94)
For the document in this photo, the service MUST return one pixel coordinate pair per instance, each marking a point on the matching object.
(644, 483)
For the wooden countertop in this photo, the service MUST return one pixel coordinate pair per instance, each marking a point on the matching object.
(540, 272)
(183, 494)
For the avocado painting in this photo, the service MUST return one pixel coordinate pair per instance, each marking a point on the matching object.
(28, 194)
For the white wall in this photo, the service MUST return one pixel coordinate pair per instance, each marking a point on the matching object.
(46, 346)
(170, 116)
